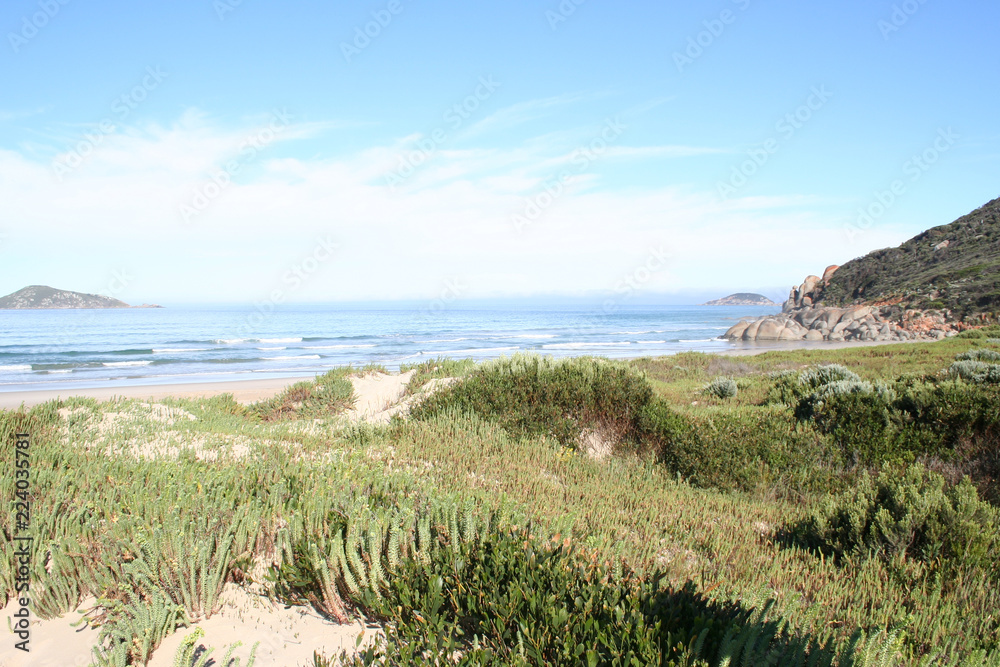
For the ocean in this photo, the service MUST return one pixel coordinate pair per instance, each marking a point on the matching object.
(66, 349)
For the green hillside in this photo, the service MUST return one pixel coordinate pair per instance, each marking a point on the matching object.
(954, 266)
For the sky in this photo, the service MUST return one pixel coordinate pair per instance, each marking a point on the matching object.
(331, 151)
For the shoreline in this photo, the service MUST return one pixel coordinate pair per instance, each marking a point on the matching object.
(249, 391)
(244, 391)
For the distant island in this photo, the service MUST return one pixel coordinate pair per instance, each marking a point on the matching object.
(45, 297)
(742, 299)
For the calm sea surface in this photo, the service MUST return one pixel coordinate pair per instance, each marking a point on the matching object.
(64, 349)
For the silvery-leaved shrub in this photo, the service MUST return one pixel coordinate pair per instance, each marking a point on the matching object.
(975, 371)
(831, 392)
(979, 354)
(721, 388)
(790, 387)
(821, 375)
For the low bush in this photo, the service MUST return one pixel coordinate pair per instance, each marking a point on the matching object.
(790, 387)
(440, 367)
(915, 515)
(533, 395)
(823, 375)
(721, 388)
(991, 331)
(754, 448)
(328, 395)
(854, 412)
(975, 371)
(858, 418)
(979, 354)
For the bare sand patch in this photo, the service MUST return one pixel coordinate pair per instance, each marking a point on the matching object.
(244, 391)
(287, 636)
(378, 396)
(381, 396)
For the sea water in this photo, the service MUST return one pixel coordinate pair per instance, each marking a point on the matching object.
(64, 349)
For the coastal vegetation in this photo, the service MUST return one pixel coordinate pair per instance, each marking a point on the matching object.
(953, 267)
(829, 507)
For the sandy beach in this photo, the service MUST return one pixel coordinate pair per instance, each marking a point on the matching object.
(244, 391)
(249, 391)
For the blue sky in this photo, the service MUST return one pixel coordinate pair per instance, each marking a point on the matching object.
(217, 150)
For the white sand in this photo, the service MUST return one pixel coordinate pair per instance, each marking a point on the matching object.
(53, 643)
(380, 396)
(244, 391)
(287, 636)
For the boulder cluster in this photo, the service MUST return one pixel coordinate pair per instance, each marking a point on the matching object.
(803, 317)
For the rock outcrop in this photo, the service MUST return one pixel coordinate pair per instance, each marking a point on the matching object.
(803, 317)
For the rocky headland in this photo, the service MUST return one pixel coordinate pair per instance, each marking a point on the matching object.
(803, 317)
(938, 283)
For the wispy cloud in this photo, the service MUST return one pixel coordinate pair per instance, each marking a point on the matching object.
(7, 115)
(125, 202)
(524, 112)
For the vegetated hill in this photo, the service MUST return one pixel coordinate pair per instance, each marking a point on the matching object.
(742, 299)
(42, 296)
(954, 266)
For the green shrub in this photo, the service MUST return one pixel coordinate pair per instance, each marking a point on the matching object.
(329, 394)
(991, 331)
(975, 371)
(435, 368)
(533, 395)
(786, 389)
(790, 388)
(823, 375)
(856, 414)
(754, 448)
(915, 514)
(979, 354)
(721, 388)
